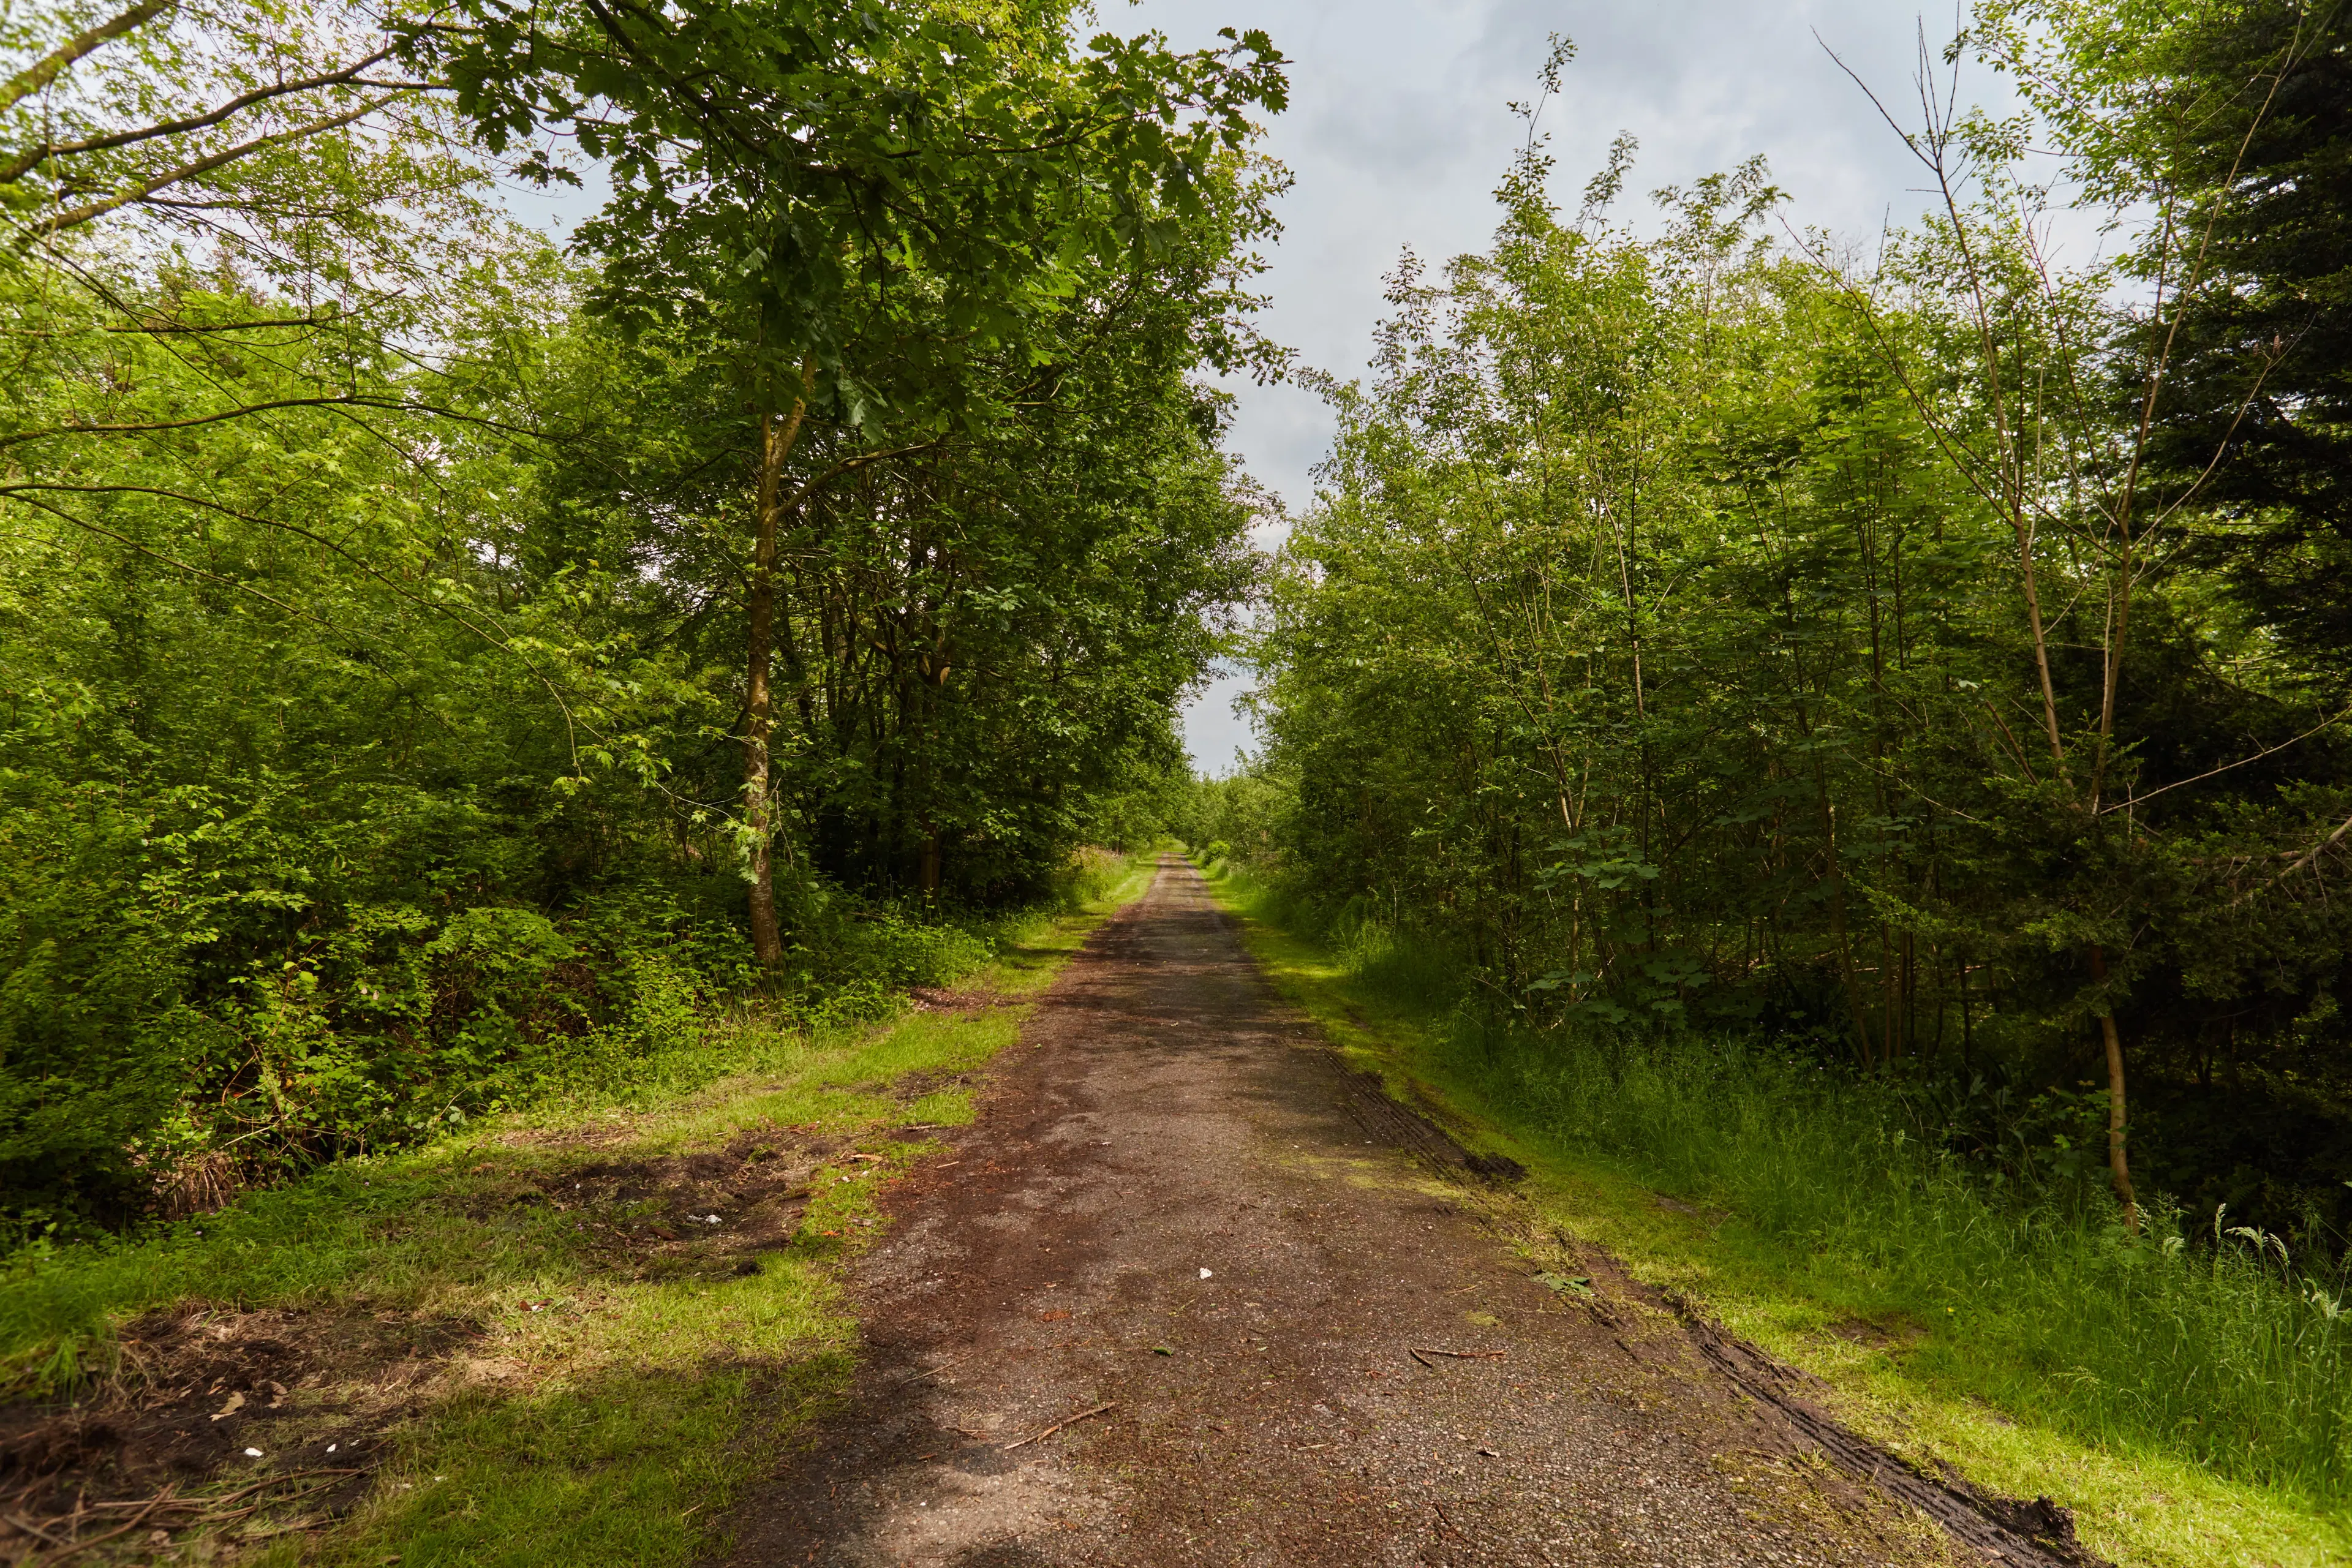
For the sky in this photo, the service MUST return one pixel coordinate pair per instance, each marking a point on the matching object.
(1397, 132)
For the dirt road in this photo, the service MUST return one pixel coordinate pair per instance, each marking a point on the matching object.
(1178, 1226)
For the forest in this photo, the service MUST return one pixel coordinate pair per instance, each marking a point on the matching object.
(1926, 660)
(438, 661)
(586, 585)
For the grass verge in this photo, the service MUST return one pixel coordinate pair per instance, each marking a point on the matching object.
(1930, 1345)
(531, 1342)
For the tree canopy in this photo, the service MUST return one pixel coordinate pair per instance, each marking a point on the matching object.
(1704, 632)
(395, 606)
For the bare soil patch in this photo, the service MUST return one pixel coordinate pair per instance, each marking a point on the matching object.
(296, 1405)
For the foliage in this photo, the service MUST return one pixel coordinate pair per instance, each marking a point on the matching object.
(2230, 123)
(373, 591)
(819, 168)
(1696, 635)
(876, 215)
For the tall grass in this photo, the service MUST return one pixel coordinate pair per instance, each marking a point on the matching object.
(2213, 1347)
(2216, 1346)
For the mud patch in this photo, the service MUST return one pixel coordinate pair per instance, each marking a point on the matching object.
(297, 1404)
(908, 1088)
(965, 1000)
(215, 1418)
(695, 1214)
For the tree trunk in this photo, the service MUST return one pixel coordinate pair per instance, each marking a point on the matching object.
(776, 438)
(2118, 1165)
(1838, 925)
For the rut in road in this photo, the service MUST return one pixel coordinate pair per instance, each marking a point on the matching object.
(1178, 1220)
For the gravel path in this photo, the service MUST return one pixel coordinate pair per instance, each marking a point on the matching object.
(1176, 1227)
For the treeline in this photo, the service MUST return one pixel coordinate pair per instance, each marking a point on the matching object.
(1931, 657)
(438, 667)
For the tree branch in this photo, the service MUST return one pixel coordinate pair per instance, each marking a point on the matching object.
(384, 404)
(33, 157)
(73, 217)
(39, 75)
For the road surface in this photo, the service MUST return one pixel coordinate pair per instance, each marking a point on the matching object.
(1180, 1226)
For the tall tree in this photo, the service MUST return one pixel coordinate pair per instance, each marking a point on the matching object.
(2234, 122)
(1695, 632)
(812, 175)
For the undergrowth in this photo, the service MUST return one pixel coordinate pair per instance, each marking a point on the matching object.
(1807, 1202)
(606, 1414)
(366, 1046)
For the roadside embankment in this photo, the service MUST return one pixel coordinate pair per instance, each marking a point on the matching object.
(2189, 1404)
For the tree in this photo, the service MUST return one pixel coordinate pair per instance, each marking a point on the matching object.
(1695, 634)
(816, 179)
(2234, 123)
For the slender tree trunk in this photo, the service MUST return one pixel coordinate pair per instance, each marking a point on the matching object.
(1967, 1019)
(930, 861)
(1838, 926)
(777, 435)
(2118, 1163)
(2024, 530)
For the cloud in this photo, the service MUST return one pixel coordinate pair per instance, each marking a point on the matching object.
(1403, 137)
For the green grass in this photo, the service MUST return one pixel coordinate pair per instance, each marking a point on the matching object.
(2194, 1404)
(617, 1423)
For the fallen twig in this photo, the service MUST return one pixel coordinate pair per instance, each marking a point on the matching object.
(1065, 1421)
(29, 1528)
(288, 1476)
(1421, 1354)
(253, 1507)
(943, 1366)
(136, 1520)
(165, 1500)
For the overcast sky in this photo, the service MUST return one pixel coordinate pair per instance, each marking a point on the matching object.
(1397, 132)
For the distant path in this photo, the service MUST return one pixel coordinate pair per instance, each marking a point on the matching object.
(1164, 1115)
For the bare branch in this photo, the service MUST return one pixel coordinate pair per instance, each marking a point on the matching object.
(33, 157)
(39, 75)
(384, 404)
(2313, 853)
(169, 328)
(2325, 724)
(73, 217)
